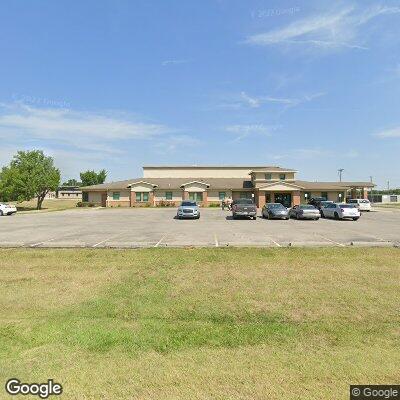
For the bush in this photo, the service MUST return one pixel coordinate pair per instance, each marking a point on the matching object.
(86, 204)
(164, 203)
(215, 204)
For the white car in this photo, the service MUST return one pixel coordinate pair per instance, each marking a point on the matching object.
(342, 211)
(362, 204)
(7, 209)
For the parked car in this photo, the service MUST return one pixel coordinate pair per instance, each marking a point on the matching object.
(362, 204)
(304, 211)
(7, 209)
(341, 211)
(322, 204)
(188, 209)
(244, 208)
(275, 211)
(314, 201)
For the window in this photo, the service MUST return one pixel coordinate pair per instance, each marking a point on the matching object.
(324, 195)
(282, 177)
(142, 196)
(196, 196)
(307, 196)
(116, 195)
(268, 177)
(245, 195)
(168, 195)
(85, 196)
(221, 195)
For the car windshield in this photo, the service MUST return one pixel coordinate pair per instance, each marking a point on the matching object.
(347, 205)
(305, 207)
(189, 203)
(276, 206)
(244, 201)
(325, 203)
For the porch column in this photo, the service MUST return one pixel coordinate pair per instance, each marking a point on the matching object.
(132, 199)
(151, 198)
(365, 193)
(185, 195)
(205, 198)
(296, 198)
(260, 196)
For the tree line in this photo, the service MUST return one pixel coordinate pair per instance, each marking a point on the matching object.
(32, 174)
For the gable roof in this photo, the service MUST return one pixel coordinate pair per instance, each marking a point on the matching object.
(176, 183)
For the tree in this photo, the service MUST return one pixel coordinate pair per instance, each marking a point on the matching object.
(89, 178)
(30, 174)
(72, 182)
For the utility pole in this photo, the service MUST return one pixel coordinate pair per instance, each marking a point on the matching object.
(388, 186)
(340, 171)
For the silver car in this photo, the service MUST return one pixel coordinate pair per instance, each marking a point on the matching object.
(188, 209)
(304, 211)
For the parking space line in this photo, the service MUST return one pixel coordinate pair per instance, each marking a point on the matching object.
(273, 241)
(45, 241)
(216, 240)
(159, 242)
(330, 240)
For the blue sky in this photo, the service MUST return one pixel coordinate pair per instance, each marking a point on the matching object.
(311, 85)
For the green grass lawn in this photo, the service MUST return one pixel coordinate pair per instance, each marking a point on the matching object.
(48, 205)
(201, 323)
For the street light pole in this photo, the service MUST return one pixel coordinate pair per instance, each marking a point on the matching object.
(340, 171)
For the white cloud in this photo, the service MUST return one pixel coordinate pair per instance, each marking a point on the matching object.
(81, 138)
(252, 101)
(389, 133)
(333, 30)
(174, 62)
(173, 143)
(242, 131)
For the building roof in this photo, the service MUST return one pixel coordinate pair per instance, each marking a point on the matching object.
(222, 183)
(176, 183)
(249, 167)
(307, 185)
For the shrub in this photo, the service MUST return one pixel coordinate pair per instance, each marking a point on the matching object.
(86, 204)
(215, 204)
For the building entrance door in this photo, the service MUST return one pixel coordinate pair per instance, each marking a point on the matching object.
(284, 198)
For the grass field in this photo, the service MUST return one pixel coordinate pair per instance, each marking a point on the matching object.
(201, 323)
(48, 205)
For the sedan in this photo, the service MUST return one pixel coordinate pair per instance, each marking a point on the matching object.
(188, 209)
(341, 211)
(7, 209)
(304, 211)
(275, 211)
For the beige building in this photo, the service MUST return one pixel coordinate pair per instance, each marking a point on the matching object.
(169, 185)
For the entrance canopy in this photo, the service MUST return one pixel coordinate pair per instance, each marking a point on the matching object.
(279, 187)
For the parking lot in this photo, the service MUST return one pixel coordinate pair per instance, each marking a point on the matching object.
(130, 228)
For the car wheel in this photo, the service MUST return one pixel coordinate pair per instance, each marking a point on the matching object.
(317, 219)
(254, 218)
(1, 213)
(336, 215)
(322, 214)
(234, 216)
(356, 218)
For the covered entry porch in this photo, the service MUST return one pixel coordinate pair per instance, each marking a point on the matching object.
(285, 193)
